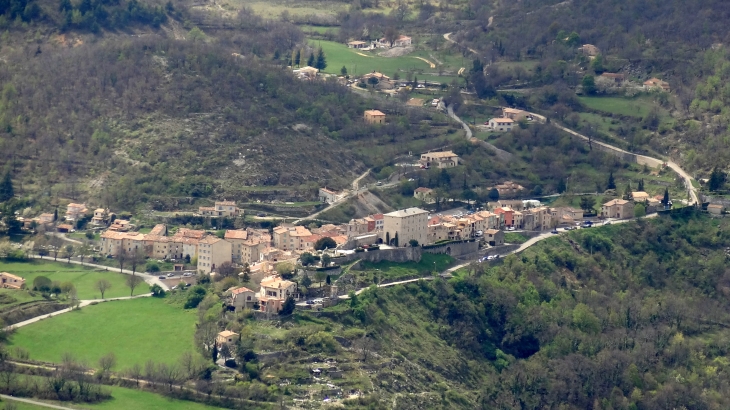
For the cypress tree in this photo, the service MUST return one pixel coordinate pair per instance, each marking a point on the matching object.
(310, 60)
(6, 188)
(665, 201)
(611, 183)
(321, 60)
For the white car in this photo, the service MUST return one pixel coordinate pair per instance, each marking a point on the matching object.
(511, 228)
(187, 274)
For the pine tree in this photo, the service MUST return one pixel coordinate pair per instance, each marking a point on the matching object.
(343, 71)
(665, 200)
(611, 183)
(641, 185)
(310, 60)
(6, 188)
(321, 60)
(297, 57)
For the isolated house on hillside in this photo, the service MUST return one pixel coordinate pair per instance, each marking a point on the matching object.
(501, 124)
(10, 281)
(357, 44)
(439, 159)
(374, 117)
(656, 84)
(618, 208)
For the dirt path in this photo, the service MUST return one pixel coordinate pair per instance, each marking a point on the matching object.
(447, 36)
(33, 402)
(361, 54)
(150, 279)
(82, 303)
(432, 65)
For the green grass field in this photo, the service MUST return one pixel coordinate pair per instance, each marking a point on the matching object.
(134, 330)
(515, 237)
(394, 270)
(10, 297)
(339, 55)
(82, 277)
(634, 107)
(123, 399)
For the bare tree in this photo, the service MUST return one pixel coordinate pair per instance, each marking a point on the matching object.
(135, 373)
(56, 244)
(132, 282)
(102, 285)
(107, 361)
(136, 258)
(205, 335)
(169, 374)
(69, 252)
(150, 372)
(83, 251)
(122, 258)
(226, 269)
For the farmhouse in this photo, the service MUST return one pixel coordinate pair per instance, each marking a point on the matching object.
(501, 124)
(656, 84)
(618, 208)
(75, 211)
(374, 117)
(357, 44)
(614, 77)
(515, 114)
(273, 293)
(439, 159)
(423, 194)
(328, 196)
(10, 281)
(242, 298)
(226, 337)
(401, 41)
(715, 209)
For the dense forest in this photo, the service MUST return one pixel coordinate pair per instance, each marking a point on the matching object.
(630, 316)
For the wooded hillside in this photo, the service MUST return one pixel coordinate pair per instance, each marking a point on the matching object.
(630, 316)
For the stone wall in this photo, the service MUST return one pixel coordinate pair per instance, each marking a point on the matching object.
(400, 255)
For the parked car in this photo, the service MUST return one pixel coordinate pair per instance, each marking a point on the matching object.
(511, 228)
(317, 301)
(554, 231)
(161, 277)
(187, 274)
(169, 275)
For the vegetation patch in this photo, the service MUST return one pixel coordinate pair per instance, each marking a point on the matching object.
(135, 331)
(83, 278)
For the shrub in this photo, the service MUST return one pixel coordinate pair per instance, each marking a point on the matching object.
(152, 266)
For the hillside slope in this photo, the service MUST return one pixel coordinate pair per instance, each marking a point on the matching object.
(159, 117)
(631, 316)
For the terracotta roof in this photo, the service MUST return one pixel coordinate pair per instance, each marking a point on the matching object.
(65, 226)
(616, 202)
(378, 217)
(714, 206)
(375, 113)
(227, 333)
(240, 290)
(190, 233)
(508, 120)
(10, 275)
(210, 239)
(159, 229)
(422, 189)
(440, 154)
(231, 234)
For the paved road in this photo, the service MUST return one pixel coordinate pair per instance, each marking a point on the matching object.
(402, 282)
(150, 279)
(33, 402)
(64, 237)
(356, 190)
(502, 154)
(532, 241)
(82, 303)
